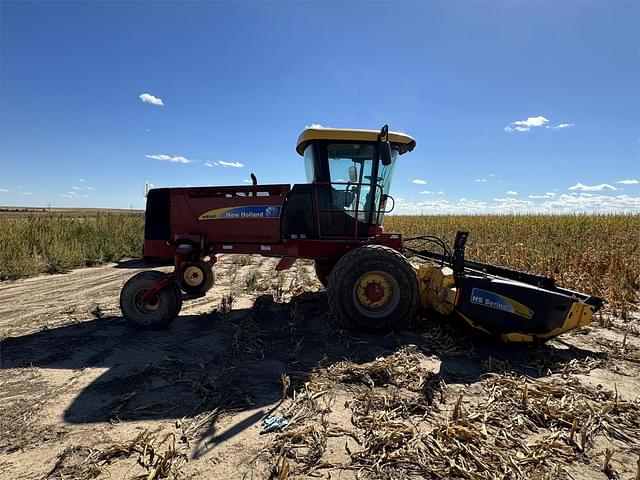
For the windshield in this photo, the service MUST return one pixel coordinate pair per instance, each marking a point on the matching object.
(351, 171)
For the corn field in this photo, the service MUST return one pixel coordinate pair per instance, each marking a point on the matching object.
(596, 254)
(35, 244)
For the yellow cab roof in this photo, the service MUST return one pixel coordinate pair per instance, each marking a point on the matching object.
(402, 141)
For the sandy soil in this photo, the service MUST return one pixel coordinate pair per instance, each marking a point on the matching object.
(84, 396)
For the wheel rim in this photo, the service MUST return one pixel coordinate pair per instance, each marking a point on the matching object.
(146, 307)
(193, 276)
(376, 294)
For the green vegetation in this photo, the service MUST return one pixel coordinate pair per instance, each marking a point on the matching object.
(33, 244)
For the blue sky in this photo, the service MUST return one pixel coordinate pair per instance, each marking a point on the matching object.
(515, 106)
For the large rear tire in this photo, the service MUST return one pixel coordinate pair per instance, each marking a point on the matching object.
(154, 314)
(373, 289)
(197, 278)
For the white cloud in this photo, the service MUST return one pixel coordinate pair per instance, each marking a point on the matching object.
(440, 193)
(211, 164)
(439, 206)
(85, 196)
(510, 204)
(89, 188)
(27, 193)
(526, 125)
(546, 195)
(555, 204)
(246, 181)
(563, 125)
(148, 98)
(3, 190)
(81, 180)
(566, 203)
(592, 188)
(315, 125)
(170, 158)
(426, 192)
(76, 188)
(230, 164)
(419, 181)
(631, 181)
(481, 180)
(511, 192)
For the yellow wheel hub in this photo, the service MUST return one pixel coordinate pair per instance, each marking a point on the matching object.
(374, 290)
(193, 276)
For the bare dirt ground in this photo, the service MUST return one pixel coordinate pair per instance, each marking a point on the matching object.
(84, 396)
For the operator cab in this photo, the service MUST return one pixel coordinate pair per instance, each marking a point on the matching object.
(349, 175)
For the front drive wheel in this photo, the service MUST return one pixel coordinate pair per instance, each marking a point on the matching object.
(373, 289)
(156, 313)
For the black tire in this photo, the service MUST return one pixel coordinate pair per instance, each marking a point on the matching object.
(371, 271)
(201, 273)
(152, 315)
(323, 271)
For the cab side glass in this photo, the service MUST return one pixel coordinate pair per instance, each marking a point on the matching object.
(309, 164)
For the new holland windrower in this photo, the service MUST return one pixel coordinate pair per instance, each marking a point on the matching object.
(335, 219)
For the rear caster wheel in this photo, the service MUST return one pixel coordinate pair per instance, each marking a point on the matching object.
(373, 289)
(197, 278)
(154, 314)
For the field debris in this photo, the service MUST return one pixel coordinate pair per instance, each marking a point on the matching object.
(507, 426)
(79, 462)
(94, 400)
(273, 423)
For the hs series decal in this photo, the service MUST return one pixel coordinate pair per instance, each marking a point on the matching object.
(500, 302)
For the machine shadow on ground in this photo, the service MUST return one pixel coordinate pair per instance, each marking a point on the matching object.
(234, 360)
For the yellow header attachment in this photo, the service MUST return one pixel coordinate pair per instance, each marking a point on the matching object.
(403, 142)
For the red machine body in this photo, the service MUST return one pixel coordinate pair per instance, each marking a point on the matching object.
(242, 220)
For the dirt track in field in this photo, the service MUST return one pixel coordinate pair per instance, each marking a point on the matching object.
(81, 394)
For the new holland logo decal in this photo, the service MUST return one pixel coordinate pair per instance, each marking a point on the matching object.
(500, 302)
(241, 213)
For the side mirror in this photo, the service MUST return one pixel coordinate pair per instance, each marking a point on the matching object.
(353, 174)
(385, 153)
(383, 145)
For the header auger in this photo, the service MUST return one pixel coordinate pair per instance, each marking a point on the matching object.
(336, 220)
